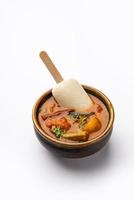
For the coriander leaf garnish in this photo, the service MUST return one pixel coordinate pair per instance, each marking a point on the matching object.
(58, 131)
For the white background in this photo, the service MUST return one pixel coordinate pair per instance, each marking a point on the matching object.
(92, 41)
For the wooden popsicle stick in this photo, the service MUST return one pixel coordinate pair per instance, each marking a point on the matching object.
(51, 67)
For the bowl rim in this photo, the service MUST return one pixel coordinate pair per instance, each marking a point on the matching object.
(81, 144)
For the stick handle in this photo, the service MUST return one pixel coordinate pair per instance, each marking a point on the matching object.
(51, 67)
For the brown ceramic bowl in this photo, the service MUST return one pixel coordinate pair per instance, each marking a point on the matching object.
(74, 150)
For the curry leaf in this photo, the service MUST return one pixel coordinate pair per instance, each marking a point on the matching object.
(81, 118)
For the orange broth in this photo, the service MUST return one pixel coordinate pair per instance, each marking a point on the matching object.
(50, 106)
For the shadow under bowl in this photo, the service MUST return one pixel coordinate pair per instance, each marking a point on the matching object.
(74, 150)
